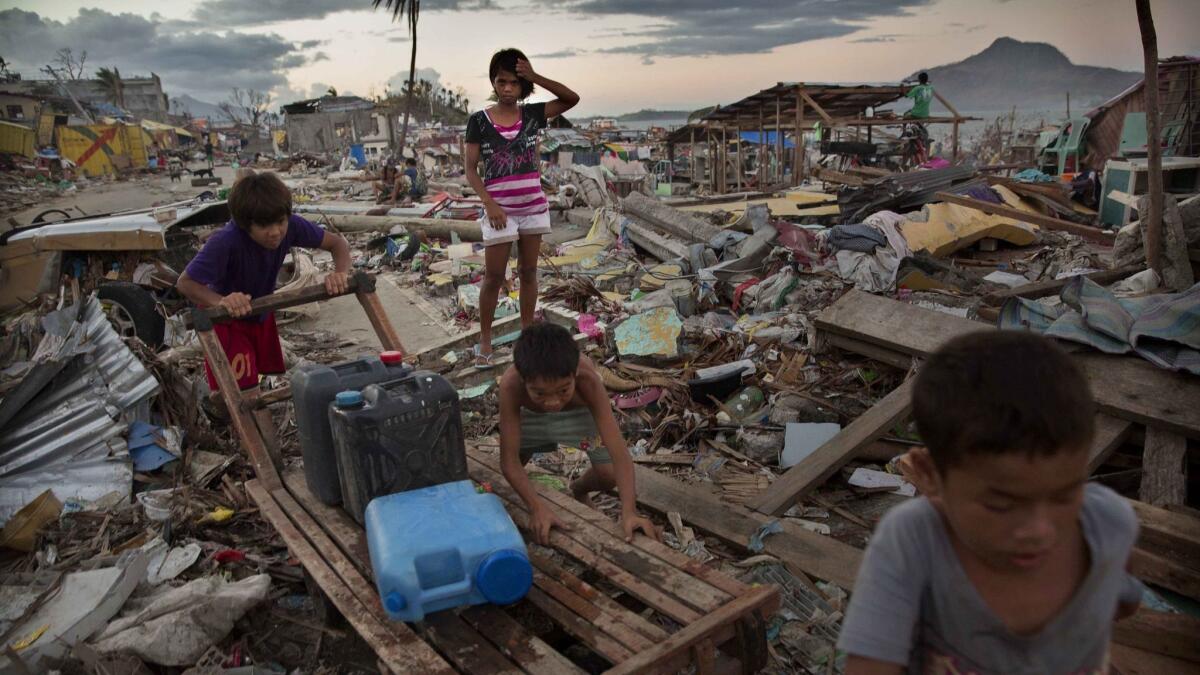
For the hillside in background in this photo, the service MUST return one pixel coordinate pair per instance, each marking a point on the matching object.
(1028, 75)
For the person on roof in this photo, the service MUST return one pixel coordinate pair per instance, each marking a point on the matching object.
(922, 95)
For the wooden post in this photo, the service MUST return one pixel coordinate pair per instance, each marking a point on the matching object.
(798, 169)
(778, 142)
(1153, 219)
(692, 157)
(762, 148)
(738, 164)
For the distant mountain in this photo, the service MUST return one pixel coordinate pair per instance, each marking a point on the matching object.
(1028, 75)
(650, 114)
(196, 108)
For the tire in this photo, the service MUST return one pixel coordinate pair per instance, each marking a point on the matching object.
(133, 312)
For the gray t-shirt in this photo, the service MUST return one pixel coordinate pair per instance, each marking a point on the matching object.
(914, 605)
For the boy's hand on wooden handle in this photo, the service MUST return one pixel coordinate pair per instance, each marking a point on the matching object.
(336, 283)
(237, 304)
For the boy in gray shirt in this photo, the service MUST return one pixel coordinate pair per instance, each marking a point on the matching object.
(1012, 562)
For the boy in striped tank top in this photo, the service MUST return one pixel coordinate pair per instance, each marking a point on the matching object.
(505, 137)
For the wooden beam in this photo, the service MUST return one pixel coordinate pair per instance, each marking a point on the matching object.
(285, 299)
(946, 103)
(798, 170)
(815, 469)
(1038, 219)
(653, 661)
(1175, 635)
(1111, 433)
(779, 162)
(1041, 289)
(464, 646)
(802, 551)
(1123, 386)
(1167, 572)
(1164, 468)
(820, 111)
(1173, 534)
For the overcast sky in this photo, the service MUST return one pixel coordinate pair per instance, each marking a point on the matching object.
(619, 55)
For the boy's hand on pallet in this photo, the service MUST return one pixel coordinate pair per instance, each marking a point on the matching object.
(336, 283)
(541, 521)
(632, 523)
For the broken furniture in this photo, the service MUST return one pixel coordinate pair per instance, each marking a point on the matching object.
(700, 616)
(1125, 180)
(1065, 154)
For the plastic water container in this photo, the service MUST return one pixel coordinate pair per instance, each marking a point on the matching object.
(396, 436)
(444, 546)
(313, 388)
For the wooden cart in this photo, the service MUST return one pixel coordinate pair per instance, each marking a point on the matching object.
(672, 612)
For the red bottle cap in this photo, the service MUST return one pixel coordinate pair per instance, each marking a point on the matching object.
(392, 357)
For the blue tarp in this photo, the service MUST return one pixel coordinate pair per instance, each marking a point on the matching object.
(753, 137)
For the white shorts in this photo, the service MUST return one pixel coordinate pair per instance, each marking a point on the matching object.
(516, 227)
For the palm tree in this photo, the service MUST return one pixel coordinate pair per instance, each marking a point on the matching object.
(408, 10)
(110, 79)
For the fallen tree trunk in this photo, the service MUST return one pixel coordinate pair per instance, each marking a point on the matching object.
(467, 230)
(674, 222)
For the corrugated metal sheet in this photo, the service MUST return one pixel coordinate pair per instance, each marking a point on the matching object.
(16, 139)
(100, 149)
(70, 436)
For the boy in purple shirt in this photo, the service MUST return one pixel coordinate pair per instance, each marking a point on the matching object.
(241, 261)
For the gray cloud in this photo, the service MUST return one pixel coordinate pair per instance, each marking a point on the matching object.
(561, 54)
(204, 64)
(310, 44)
(891, 37)
(398, 38)
(319, 56)
(712, 27)
(242, 13)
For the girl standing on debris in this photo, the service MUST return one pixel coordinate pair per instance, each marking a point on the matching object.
(504, 136)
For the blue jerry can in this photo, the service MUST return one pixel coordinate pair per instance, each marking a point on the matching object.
(444, 546)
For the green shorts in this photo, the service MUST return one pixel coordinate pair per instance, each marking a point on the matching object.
(544, 432)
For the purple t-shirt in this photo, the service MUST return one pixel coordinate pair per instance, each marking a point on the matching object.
(231, 261)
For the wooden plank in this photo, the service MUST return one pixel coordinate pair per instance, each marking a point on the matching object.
(872, 351)
(397, 646)
(434, 352)
(658, 659)
(379, 321)
(638, 573)
(464, 646)
(597, 640)
(834, 454)
(1164, 468)
(820, 111)
(598, 598)
(1038, 219)
(528, 651)
(1125, 387)
(350, 537)
(244, 425)
(1174, 635)
(1111, 433)
(1127, 660)
(1175, 534)
(1041, 289)
(803, 551)
(615, 628)
(1166, 572)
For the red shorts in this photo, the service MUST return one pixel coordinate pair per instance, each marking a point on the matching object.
(252, 348)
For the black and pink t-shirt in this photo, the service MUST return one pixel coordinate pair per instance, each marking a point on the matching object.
(510, 159)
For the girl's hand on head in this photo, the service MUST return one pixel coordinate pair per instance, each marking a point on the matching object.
(524, 70)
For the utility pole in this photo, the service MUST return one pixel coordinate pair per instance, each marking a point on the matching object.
(1153, 219)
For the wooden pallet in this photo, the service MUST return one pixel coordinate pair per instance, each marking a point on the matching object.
(721, 622)
(693, 615)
